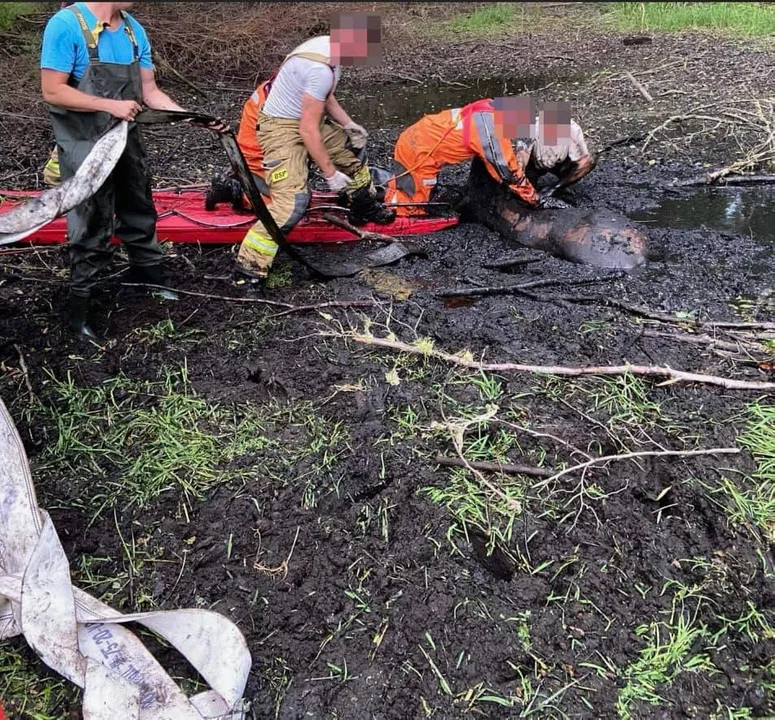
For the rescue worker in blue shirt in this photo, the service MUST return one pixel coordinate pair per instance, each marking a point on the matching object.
(95, 67)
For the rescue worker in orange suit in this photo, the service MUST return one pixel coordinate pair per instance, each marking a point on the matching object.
(451, 137)
(481, 129)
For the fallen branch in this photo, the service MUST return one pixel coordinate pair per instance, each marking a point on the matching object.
(323, 306)
(261, 301)
(507, 469)
(27, 250)
(25, 373)
(648, 314)
(633, 455)
(702, 340)
(672, 376)
(166, 66)
(639, 86)
(362, 234)
(508, 289)
(513, 262)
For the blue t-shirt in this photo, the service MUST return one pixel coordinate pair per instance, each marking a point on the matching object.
(64, 47)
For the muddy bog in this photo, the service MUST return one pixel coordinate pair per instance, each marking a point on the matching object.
(485, 480)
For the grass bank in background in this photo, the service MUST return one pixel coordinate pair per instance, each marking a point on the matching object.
(745, 18)
(492, 18)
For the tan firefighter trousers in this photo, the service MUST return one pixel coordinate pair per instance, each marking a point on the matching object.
(286, 171)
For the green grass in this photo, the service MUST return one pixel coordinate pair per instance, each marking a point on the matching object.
(28, 689)
(10, 11)
(750, 501)
(746, 19)
(493, 18)
(140, 440)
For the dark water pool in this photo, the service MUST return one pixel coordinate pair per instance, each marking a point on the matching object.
(743, 210)
(398, 106)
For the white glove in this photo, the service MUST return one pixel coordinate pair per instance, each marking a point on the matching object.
(357, 134)
(338, 181)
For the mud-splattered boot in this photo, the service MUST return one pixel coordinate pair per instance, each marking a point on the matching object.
(365, 208)
(153, 275)
(223, 189)
(78, 317)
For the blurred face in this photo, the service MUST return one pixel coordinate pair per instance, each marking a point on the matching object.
(514, 116)
(554, 123)
(356, 39)
(122, 6)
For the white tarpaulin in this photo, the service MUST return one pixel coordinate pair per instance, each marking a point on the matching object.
(83, 639)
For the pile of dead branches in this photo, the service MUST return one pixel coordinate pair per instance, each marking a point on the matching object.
(749, 122)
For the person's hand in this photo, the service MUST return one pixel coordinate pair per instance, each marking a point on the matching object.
(217, 125)
(357, 134)
(338, 181)
(124, 109)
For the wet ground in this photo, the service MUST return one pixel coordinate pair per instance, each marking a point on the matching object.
(307, 503)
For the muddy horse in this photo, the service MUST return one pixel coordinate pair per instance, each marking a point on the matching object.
(598, 237)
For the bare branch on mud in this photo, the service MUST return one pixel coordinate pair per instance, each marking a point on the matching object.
(537, 434)
(634, 455)
(25, 373)
(646, 313)
(740, 346)
(735, 180)
(457, 430)
(673, 376)
(507, 289)
(260, 301)
(507, 469)
(510, 262)
(165, 66)
(639, 86)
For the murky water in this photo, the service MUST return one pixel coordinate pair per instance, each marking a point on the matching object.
(391, 106)
(746, 211)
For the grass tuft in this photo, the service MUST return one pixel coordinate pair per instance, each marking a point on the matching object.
(493, 18)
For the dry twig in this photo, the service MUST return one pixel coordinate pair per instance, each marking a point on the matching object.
(632, 456)
(506, 469)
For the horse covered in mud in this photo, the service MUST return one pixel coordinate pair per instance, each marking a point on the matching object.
(598, 237)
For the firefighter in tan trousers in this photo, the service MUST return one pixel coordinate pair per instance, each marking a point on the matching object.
(301, 120)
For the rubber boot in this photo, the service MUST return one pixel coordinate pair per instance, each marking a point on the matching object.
(223, 189)
(152, 275)
(78, 317)
(365, 208)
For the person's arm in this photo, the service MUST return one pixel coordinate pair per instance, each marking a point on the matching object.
(57, 92)
(312, 111)
(336, 112)
(507, 168)
(153, 96)
(573, 171)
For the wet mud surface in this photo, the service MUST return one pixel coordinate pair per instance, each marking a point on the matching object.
(375, 582)
(326, 535)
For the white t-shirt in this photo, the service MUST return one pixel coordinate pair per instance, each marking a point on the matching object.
(548, 156)
(300, 75)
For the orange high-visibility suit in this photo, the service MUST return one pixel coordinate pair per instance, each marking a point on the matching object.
(448, 138)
